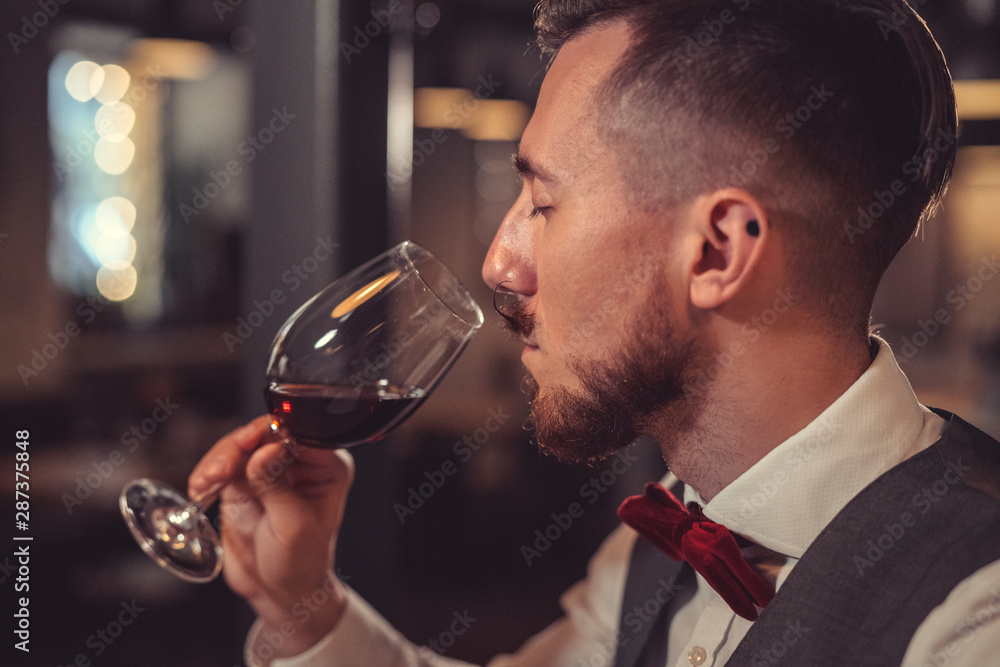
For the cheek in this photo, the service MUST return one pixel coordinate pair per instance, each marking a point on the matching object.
(593, 275)
(581, 313)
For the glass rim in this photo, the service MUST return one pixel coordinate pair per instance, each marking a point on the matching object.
(404, 249)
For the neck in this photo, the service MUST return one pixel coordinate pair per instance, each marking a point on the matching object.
(755, 404)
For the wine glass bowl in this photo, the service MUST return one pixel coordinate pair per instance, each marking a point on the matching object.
(356, 359)
(349, 365)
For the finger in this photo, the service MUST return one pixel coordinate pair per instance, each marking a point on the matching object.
(224, 460)
(314, 470)
(290, 468)
(239, 511)
(296, 486)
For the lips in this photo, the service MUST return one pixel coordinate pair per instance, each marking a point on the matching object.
(527, 355)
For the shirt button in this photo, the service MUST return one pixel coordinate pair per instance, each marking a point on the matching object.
(696, 656)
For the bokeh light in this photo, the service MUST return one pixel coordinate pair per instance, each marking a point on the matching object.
(115, 216)
(116, 118)
(84, 79)
(111, 250)
(117, 281)
(427, 15)
(115, 85)
(114, 154)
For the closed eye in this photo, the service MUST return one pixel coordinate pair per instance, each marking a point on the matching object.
(537, 210)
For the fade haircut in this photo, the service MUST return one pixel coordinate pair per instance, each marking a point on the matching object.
(837, 115)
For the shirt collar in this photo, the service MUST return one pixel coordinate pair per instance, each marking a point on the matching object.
(784, 500)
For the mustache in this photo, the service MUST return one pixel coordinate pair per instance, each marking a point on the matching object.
(516, 317)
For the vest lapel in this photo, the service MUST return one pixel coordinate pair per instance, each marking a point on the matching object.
(888, 558)
(654, 580)
(870, 578)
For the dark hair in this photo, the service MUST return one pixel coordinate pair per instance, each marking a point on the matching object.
(838, 115)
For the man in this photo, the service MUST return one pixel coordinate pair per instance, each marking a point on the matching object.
(685, 263)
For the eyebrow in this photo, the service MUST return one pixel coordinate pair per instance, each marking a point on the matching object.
(525, 166)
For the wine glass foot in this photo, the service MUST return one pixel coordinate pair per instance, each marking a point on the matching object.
(181, 540)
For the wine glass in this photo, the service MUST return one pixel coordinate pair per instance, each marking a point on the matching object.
(347, 367)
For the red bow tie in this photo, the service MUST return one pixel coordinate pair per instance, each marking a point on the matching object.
(707, 546)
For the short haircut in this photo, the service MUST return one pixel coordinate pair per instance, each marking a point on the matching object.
(837, 115)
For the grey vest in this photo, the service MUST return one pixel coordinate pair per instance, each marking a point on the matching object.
(871, 576)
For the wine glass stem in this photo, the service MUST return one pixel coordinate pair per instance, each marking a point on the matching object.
(203, 500)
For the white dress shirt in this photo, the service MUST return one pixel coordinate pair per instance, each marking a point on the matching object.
(781, 504)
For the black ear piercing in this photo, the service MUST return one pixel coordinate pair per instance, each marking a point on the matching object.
(753, 229)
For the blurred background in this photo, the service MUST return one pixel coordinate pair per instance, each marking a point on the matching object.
(176, 176)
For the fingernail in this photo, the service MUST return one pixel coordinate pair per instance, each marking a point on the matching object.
(215, 469)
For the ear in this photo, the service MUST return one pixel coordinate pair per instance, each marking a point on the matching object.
(729, 234)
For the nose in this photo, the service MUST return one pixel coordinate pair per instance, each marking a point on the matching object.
(511, 258)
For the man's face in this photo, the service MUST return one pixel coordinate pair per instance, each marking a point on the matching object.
(590, 269)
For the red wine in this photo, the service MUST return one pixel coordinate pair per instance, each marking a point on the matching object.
(328, 417)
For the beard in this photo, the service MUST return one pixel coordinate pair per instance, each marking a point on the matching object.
(639, 389)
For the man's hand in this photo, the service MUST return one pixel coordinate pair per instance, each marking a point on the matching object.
(281, 512)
